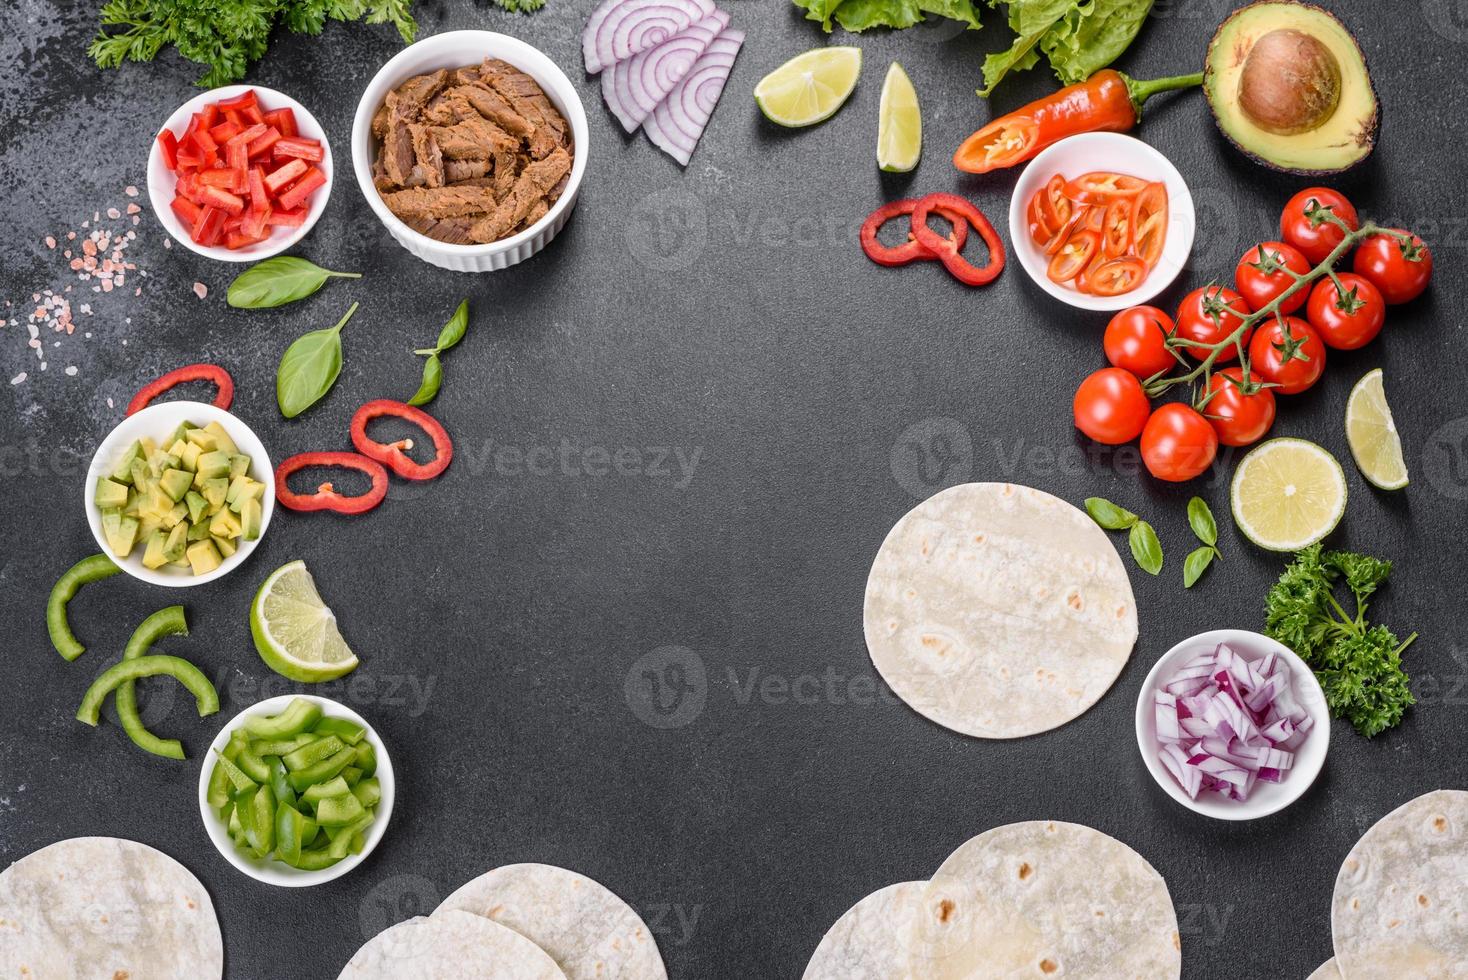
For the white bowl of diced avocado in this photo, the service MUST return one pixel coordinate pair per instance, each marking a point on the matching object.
(180, 493)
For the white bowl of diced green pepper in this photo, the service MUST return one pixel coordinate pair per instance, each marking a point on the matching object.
(321, 774)
(180, 493)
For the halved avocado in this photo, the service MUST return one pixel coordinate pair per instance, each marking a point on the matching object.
(1289, 87)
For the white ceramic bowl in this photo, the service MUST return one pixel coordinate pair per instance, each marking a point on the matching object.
(1265, 798)
(161, 181)
(1122, 154)
(455, 49)
(271, 871)
(157, 422)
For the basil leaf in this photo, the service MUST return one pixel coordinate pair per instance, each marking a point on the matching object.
(1197, 563)
(432, 379)
(1146, 549)
(309, 367)
(1200, 518)
(277, 281)
(453, 331)
(1109, 515)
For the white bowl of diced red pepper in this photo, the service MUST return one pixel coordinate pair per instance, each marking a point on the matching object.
(240, 173)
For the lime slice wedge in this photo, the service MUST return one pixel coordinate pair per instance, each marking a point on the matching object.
(809, 87)
(1372, 434)
(295, 632)
(1287, 494)
(899, 123)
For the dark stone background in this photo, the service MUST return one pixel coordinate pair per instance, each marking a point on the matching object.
(506, 621)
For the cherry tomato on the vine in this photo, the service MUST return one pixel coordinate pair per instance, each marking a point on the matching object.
(1240, 417)
(1350, 320)
(1111, 407)
(1178, 443)
(1293, 360)
(1136, 341)
(1264, 272)
(1400, 270)
(1316, 240)
(1208, 315)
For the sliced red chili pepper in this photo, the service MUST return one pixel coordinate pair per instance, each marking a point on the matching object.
(325, 497)
(1076, 221)
(909, 250)
(947, 250)
(1101, 187)
(1055, 206)
(1073, 256)
(391, 455)
(1116, 276)
(1149, 223)
(1004, 142)
(194, 372)
(1116, 228)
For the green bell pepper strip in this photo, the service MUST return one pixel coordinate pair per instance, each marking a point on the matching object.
(338, 811)
(292, 830)
(254, 766)
(352, 775)
(366, 758)
(369, 791)
(84, 572)
(336, 786)
(260, 824)
(239, 782)
(279, 784)
(298, 717)
(206, 699)
(278, 747)
(316, 859)
(341, 844)
(348, 731)
(323, 770)
(219, 781)
(312, 753)
(164, 622)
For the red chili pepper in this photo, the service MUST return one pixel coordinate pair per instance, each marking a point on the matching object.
(909, 250)
(325, 497)
(391, 454)
(1108, 101)
(957, 266)
(194, 372)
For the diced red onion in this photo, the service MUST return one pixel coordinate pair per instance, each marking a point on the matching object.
(633, 88)
(679, 120)
(618, 29)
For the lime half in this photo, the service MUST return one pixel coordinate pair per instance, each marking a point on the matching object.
(1287, 494)
(1372, 434)
(809, 87)
(295, 632)
(899, 123)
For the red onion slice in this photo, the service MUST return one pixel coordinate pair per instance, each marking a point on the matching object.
(679, 120)
(633, 88)
(618, 29)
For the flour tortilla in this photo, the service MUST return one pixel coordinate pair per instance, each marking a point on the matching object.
(1046, 899)
(1400, 909)
(998, 611)
(1326, 971)
(870, 941)
(590, 932)
(100, 907)
(450, 944)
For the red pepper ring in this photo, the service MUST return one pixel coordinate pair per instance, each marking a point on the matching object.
(910, 250)
(326, 497)
(194, 372)
(947, 252)
(391, 455)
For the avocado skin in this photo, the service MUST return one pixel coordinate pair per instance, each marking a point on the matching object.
(1373, 123)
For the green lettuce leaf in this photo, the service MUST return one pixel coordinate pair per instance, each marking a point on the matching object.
(960, 10)
(1079, 37)
(858, 15)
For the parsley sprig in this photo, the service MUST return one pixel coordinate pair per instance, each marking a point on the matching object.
(1359, 665)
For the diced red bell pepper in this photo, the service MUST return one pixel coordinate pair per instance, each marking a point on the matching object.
(168, 146)
(304, 149)
(302, 189)
(224, 131)
(244, 99)
(243, 238)
(208, 227)
(288, 219)
(188, 186)
(249, 135)
(283, 119)
(222, 199)
(210, 114)
(217, 178)
(235, 118)
(237, 156)
(203, 141)
(262, 145)
(256, 224)
(252, 115)
(195, 122)
(259, 199)
(187, 211)
(279, 179)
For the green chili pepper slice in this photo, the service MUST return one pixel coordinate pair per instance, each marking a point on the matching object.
(164, 622)
(298, 717)
(206, 699)
(84, 572)
(323, 770)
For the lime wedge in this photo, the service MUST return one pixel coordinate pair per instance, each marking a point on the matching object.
(809, 87)
(899, 123)
(1287, 494)
(295, 632)
(1372, 434)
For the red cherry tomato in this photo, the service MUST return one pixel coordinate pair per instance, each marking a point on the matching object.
(1264, 272)
(1136, 341)
(1316, 240)
(1240, 418)
(1294, 361)
(1178, 443)
(1207, 316)
(1401, 271)
(1348, 321)
(1111, 407)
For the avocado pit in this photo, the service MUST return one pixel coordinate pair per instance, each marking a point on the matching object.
(1290, 83)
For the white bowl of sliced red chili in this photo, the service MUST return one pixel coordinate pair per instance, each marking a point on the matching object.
(224, 215)
(1079, 242)
(470, 147)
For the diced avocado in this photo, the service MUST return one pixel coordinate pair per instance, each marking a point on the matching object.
(123, 471)
(225, 545)
(175, 483)
(121, 533)
(243, 488)
(146, 527)
(180, 432)
(189, 458)
(178, 538)
(196, 504)
(221, 438)
(177, 448)
(203, 557)
(251, 515)
(134, 504)
(149, 446)
(157, 504)
(160, 461)
(153, 556)
(239, 465)
(139, 470)
(215, 491)
(175, 516)
(213, 465)
(182, 562)
(204, 439)
(110, 494)
(198, 530)
(225, 525)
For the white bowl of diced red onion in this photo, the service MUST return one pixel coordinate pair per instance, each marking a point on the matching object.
(1233, 725)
